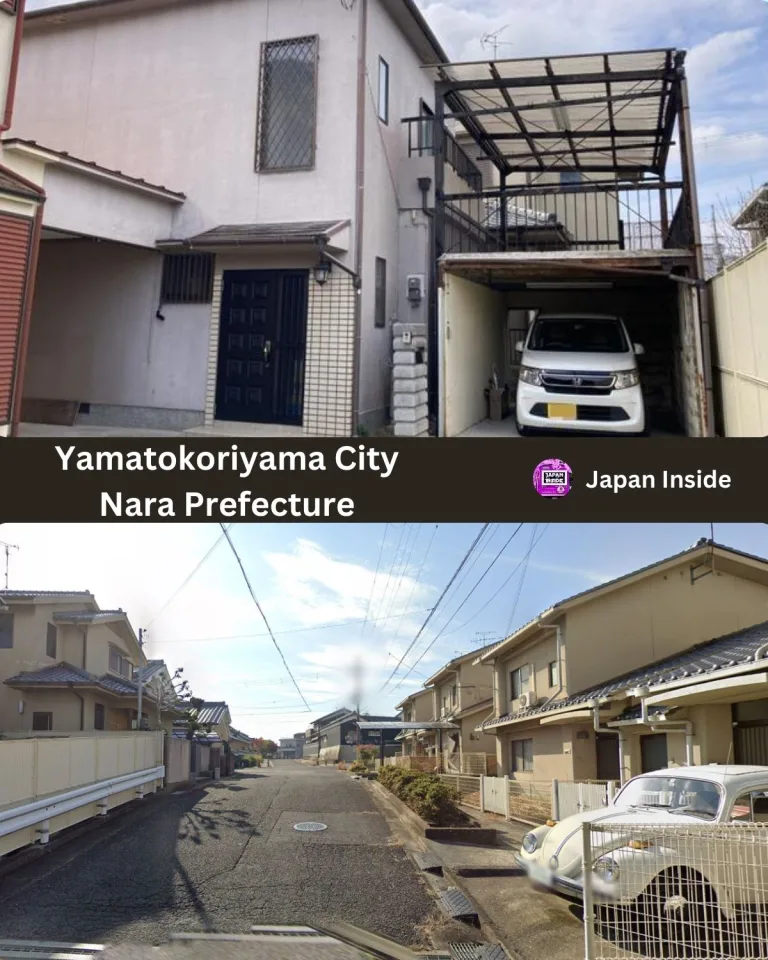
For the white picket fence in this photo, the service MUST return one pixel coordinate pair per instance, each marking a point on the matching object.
(569, 796)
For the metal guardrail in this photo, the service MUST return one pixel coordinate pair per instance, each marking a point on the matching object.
(40, 812)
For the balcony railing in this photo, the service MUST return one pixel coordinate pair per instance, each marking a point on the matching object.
(422, 136)
(599, 216)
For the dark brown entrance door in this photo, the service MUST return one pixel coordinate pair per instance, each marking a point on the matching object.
(607, 747)
(653, 752)
(262, 339)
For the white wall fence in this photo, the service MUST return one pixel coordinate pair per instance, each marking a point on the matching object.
(51, 783)
(536, 800)
(470, 764)
(676, 892)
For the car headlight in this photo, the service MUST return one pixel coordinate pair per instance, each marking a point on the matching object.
(626, 378)
(530, 843)
(530, 375)
(608, 869)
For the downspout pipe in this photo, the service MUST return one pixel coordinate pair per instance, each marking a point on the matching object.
(82, 705)
(559, 640)
(666, 726)
(622, 739)
(362, 80)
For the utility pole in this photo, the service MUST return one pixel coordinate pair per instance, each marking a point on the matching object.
(8, 547)
(357, 672)
(141, 678)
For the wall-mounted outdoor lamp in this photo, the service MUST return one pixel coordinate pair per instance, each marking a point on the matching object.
(322, 272)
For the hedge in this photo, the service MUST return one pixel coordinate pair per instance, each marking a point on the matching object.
(426, 794)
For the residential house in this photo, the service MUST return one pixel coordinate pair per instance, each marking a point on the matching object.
(21, 204)
(626, 677)
(753, 216)
(240, 742)
(66, 665)
(233, 227)
(292, 748)
(215, 717)
(414, 708)
(336, 737)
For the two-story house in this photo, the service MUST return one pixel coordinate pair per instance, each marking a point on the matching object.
(66, 666)
(229, 231)
(21, 202)
(655, 668)
(417, 706)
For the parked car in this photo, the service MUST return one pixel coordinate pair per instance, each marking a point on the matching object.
(579, 372)
(677, 874)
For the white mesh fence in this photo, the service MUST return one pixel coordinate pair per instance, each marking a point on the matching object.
(676, 892)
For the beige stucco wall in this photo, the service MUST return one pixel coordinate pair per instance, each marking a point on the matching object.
(537, 653)
(7, 33)
(654, 618)
(552, 752)
(474, 321)
(738, 297)
(420, 704)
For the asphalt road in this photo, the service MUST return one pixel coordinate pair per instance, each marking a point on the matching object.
(223, 858)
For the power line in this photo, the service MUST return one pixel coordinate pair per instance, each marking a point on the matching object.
(476, 585)
(520, 582)
(405, 561)
(263, 615)
(180, 588)
(375, 578)
(413, 588)
(277, 633)
(490, 601)
(456, 572)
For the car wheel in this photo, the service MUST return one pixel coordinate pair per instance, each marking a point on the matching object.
(679, 909)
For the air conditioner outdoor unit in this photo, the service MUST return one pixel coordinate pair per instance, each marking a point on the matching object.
(527, 700)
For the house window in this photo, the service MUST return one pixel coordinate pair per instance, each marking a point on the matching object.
(50, 641)
(519, 682)
(380, 300)
(554, 673)
(42, 721)
(522, 756)
(383, 90)
(98, 717)
(187, 278)
(119, 663)
(286, 136)
(6, 631)
(426, 131)
(454, 695)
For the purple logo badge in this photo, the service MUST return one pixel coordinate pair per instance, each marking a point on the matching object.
(552, 478)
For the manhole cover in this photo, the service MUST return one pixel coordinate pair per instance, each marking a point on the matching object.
(310, 827)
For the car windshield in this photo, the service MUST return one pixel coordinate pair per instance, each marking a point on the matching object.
(578, 335)
(700, 798)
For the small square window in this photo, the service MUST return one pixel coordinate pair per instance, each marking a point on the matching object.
(187, 278)
(50, 641)
(383, 90)
(554, 673)
(42, 721)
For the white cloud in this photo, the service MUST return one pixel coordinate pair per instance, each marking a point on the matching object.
(708, 62)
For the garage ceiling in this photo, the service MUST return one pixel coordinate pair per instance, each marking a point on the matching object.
(607, 112)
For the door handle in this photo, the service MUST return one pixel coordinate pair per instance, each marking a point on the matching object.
(267, 351)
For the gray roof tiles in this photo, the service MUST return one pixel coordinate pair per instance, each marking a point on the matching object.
(66, 673)
(227, 235)
(213, 712)
(733, 649)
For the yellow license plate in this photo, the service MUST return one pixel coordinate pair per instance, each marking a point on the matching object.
(561, 411)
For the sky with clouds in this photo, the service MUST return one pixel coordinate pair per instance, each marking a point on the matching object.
(727, 44)
(334, 595)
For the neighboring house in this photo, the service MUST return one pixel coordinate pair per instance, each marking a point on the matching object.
(625, 677)
(240, 742)
(215, 716)
(21, 207)
(68, 666)
(292, 748)
(336, 736)
(753, 216)
(415, 707)
(230, 227)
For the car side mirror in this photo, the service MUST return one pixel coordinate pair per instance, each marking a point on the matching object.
(520, 346)
(639, 349)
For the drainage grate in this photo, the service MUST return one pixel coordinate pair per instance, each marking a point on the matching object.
(47, 950)
(428, 863)
(310, 827)
(457, 906)
(477, 951)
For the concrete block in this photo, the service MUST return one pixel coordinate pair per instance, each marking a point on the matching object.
(418, 343)
(404, 356)
(418, 385)
(404, 371)
(419, 429)
(410, 399)
(411, 414)
(415, 329)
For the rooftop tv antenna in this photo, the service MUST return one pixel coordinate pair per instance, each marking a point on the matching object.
(491, 40)
(7, 547)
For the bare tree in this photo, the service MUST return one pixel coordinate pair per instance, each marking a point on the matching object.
(729, 242)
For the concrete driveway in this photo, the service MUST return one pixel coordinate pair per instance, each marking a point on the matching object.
(220, 859)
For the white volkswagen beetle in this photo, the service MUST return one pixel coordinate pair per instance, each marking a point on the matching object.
(671, 868)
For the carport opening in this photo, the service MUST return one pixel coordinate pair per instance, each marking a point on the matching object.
(485, 317)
